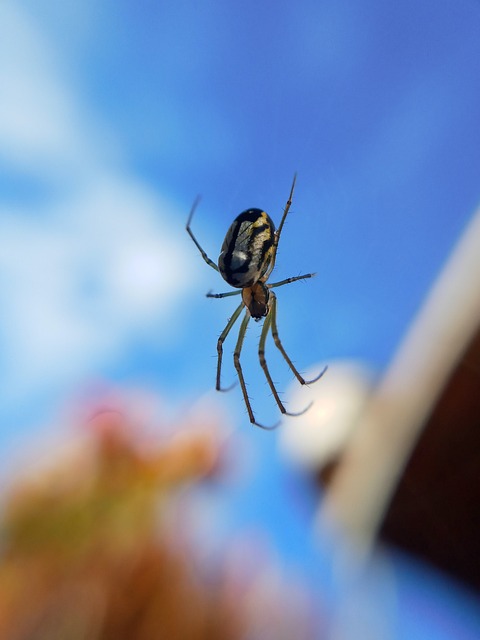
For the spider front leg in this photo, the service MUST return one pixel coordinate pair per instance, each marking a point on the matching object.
(197, 244)
(238, 367)
(278, 232)
(286, 210)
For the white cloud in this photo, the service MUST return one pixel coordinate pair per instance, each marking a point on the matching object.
(80, 281)
(39, 120)
(98, 262)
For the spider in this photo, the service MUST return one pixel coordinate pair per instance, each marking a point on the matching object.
(246, 261)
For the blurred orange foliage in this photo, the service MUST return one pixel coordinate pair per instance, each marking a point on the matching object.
(87, 554)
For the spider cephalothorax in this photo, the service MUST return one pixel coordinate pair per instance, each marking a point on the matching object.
(246, 261)
(256, 298)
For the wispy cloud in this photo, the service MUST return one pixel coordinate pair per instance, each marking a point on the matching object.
(92, 262)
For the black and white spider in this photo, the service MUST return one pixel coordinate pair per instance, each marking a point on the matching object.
(246, 262)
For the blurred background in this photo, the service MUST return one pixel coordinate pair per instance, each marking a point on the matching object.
(114, 116)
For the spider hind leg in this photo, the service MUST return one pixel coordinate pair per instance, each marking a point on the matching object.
(220, 342)
(280, 347)
(267, 326)
(238, 367)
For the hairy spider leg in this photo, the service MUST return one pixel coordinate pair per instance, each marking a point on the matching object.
(273, 314)
(224, 295)
(190, 233)
(287, 208)
(263, 363)
(238, 367)
(220, 342)
(278, 232)
(290, 280)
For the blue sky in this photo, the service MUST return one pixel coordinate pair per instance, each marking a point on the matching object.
(115, 115)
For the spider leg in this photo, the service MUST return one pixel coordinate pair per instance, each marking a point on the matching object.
(289, 280)
(273, 312)
(223, 295)
(277, 233)
(286, 210)
(220, 342)
(190, 233)
(263, 363)
(238, 367)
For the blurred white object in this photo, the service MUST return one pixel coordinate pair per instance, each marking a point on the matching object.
(391, 423)
(318, 436)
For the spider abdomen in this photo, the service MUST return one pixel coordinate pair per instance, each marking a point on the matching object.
(247, 249)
